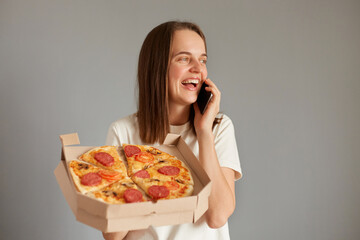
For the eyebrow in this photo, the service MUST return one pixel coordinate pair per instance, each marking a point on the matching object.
(188, 53)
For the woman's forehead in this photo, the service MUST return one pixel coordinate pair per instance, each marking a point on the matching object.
(187, 41)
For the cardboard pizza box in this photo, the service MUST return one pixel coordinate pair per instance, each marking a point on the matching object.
(131, 216)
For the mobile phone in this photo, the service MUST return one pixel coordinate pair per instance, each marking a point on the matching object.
(203, 98)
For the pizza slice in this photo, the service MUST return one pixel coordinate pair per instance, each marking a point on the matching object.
(158, 189)
(167, 170)
(88, 177)
(106, 157)
(167, 179)
(124, 191)
(141, 156)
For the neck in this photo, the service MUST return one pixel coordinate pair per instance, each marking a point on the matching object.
(179, 115)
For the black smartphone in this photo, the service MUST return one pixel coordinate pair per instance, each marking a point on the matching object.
(203, 98)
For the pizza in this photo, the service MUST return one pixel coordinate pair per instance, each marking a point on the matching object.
(135, 173)
(159, 174)
(106, 157)
(170, 170)
(142, 156)
(158, 189)
(88, 177)
(125, 191)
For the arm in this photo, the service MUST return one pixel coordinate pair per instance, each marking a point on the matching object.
(222, 196)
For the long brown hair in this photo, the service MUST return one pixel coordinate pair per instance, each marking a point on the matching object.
(153, 115)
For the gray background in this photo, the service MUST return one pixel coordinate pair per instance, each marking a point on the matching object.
(289, 72)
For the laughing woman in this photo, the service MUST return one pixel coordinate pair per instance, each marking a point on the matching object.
(171, 70)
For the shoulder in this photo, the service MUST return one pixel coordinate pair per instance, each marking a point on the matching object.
(125, 122)
(225, 119)
(225, 123)
(122, 130)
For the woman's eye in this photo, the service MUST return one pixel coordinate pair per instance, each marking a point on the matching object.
(184, 59)
(204, 61)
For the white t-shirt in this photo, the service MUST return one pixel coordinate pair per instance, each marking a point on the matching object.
(126, 130)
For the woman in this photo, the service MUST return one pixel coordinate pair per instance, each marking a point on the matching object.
(171, 70)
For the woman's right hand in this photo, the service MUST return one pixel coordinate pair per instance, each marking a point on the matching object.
(115, 235)
(204, 122)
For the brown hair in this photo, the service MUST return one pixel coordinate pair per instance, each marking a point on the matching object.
(153, 118)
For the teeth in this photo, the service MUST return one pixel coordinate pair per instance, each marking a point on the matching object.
(191, 81)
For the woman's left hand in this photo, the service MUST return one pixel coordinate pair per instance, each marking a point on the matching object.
(204, 122)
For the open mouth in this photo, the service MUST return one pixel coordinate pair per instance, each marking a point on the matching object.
(190, 82)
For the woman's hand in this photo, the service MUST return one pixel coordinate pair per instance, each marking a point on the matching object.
(204, 122)
(114, 235)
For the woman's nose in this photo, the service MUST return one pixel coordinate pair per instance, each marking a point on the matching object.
(196, 67)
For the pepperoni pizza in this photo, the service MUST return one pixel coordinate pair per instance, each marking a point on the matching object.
(119, 192)
(159, 174)
(141, 156)
(102, 174)
(88, 177)
(106, 157)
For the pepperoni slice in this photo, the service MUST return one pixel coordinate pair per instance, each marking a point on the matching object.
(131, 150)
(144, 157)
(169, 170)
(142, 174)
(91, 179)
(104, 158)
(132, 195)
(157, 192)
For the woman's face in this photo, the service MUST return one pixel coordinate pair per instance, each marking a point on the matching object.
(187, 67)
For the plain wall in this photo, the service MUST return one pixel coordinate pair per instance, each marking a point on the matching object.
(289, 72)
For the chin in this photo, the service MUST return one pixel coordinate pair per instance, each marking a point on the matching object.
(187, 102)
(191, 101)
(187, 99)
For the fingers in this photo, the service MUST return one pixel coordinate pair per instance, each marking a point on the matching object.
(212, 87)
(215, 92)
(204, 122)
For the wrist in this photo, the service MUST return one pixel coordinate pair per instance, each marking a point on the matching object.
(208, 135)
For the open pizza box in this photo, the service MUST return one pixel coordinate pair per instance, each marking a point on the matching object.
(131, 216)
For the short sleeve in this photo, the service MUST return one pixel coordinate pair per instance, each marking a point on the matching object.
(112, 136)
(123, 130)
(226, 147)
